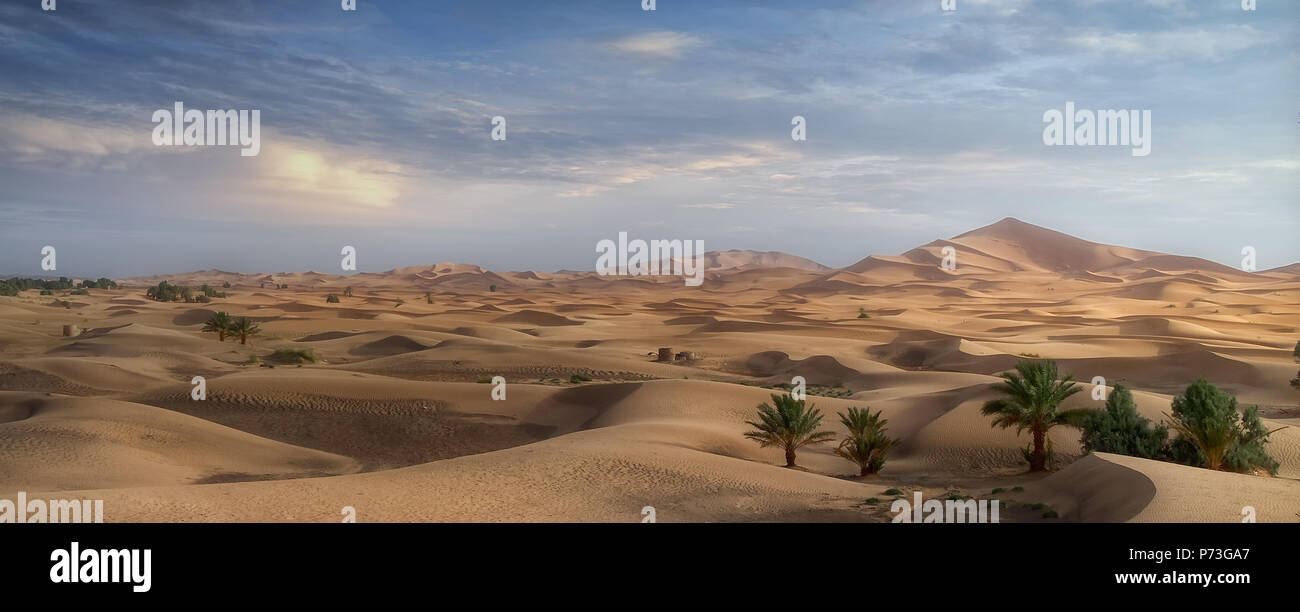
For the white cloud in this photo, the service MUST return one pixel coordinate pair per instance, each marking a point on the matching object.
(658, 44)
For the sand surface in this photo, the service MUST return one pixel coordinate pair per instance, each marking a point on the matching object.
(397, 419)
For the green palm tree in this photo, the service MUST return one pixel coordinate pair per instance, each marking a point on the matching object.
(1208, 419)
(866, 445)
(788, 425)
(242, 328)
(1033, 394)
(219, 323)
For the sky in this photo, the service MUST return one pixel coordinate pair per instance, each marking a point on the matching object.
(376, 129)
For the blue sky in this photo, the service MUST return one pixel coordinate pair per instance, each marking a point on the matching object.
(666, 124)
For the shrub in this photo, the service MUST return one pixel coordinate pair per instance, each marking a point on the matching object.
(79, 292)
(46, 292)
(225, 285)
(862, 313)
(892, 491)
(347, 291)
(211, 293)
(1295, 382)
(1120, 429)
(576, 378)
(331, 299)
(293, 355)
(1213, 434)
(166, 292)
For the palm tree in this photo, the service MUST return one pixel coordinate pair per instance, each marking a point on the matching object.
(243, 327)
(219, 323)
(866, 444)
(788, 425)
(1033, 396)
(1208, 419)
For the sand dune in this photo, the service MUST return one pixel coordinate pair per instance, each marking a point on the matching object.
(397, 417)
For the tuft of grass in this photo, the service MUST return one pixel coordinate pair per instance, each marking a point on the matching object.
(483, 379)
(1038, 506)
(892, 491)
(293, 355)
(873, 500)
(1051, 514)
(997, 490)
(1017, 489)
(576, 378)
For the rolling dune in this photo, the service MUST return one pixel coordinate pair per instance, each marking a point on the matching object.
(399, 417)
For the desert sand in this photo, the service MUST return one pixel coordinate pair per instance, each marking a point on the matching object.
(397, 419)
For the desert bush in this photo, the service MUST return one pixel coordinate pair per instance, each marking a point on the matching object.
(293, 355)
(576, 378)
(1120, 429)
(167, 292)
(331, 299)
(1213, 434)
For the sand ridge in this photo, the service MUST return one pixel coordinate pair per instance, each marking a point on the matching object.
(396, 415)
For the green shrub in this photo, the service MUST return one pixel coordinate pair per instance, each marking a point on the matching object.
(893, 491)
(331, 299)
(1051, 514)
(1120, 429)
(167, 292)
(576, 378)
(1213, 434)
(293, 355)
(997, 490)
(46, 292)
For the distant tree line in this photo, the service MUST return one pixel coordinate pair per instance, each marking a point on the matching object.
(11, 286)
(167, 292)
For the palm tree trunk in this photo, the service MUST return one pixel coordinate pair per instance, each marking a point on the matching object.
(789, 457)
(866, 471)
(243, 339)
(1038, 461)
